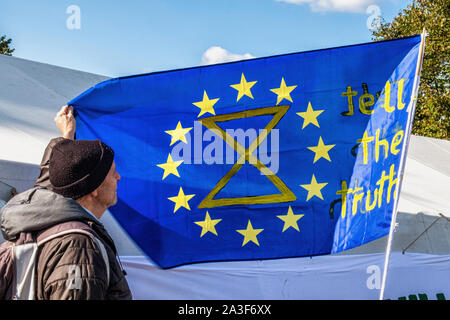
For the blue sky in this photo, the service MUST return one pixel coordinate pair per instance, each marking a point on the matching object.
(119, 38)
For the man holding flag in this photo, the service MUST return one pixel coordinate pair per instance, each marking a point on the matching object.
(70, 255)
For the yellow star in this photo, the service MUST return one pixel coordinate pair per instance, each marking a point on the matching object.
(314, 188)
(206, 105)
(290, 220)
(178, 134)
(321, 150)
(283, 91)
(310, 116)
(250, 234)
(170, 167)
(181, 200)
(208, 224)
(243, 88)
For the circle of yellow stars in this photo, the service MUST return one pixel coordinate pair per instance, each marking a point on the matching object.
(206, 105)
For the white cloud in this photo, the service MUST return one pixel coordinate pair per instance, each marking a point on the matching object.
(359, 6)
(217, 54)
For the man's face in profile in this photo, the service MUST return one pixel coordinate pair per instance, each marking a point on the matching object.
(107, 191)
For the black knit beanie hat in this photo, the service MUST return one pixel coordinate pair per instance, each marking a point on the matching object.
(78, 167)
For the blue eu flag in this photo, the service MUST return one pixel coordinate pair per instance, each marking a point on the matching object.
(285, 156)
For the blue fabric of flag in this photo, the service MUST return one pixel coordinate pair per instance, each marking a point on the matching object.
(285, 156)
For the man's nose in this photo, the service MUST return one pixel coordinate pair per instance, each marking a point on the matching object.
(117, 176)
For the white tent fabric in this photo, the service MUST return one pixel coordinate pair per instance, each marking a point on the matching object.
(31, 93)
(355, 277)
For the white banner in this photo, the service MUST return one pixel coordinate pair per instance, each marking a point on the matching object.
(358, 277)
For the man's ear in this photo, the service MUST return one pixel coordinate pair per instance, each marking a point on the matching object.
(94, 193)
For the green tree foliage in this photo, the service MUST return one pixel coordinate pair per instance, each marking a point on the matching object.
(432, 116)
(5, 46)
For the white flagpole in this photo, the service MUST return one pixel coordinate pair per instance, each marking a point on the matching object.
(411, 110)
